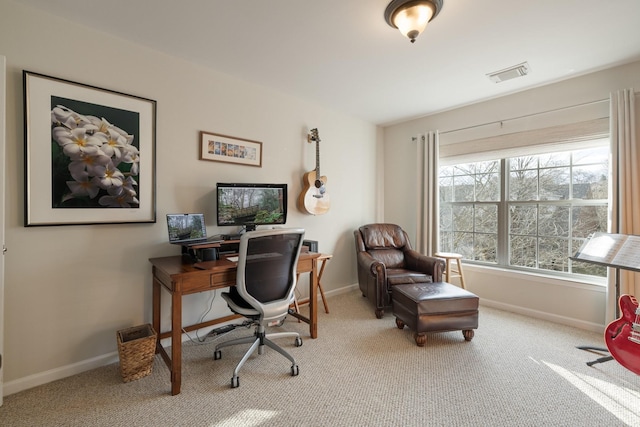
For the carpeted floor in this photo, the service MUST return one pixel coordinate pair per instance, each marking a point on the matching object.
(361, 371)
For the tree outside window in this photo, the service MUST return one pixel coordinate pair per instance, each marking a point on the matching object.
(526, 212)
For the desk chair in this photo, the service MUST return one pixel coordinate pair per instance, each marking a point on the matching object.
(265, 285)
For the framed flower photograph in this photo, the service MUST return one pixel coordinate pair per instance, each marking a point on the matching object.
(89, 154)
(224, 148)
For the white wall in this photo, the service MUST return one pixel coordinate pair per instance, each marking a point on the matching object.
(565, 301)
(69, 289)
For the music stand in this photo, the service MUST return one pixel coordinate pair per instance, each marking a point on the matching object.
(618, 251)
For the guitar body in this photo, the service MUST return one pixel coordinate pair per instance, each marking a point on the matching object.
(314, 200)
(622, 336)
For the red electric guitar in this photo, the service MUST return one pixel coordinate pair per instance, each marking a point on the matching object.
(622, 336)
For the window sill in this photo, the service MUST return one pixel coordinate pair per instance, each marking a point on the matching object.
(579, 282)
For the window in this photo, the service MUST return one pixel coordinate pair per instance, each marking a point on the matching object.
(526, 212)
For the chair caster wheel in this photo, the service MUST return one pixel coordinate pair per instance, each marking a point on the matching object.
(217, 355)
(298, 342)
(294, 370)
(235, 382)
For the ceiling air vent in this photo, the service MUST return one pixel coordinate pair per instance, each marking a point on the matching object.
(510, 73)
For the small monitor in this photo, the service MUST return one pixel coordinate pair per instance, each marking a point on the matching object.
(186, 227)
(250, 205)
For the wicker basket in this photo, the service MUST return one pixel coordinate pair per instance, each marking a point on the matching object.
(136, 348)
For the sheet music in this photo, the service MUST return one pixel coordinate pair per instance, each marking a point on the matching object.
(629, 253)
(615, 250)
(601, 247)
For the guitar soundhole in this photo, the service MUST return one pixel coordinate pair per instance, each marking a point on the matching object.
(617, 332)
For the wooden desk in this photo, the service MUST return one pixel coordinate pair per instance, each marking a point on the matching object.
(179, 277)
(322, 261)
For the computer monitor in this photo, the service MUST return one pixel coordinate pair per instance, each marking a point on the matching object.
(184, 228)
(250, 205)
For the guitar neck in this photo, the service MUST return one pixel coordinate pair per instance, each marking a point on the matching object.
(317, 158)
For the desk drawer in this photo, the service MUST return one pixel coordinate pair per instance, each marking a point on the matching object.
(304, 265)
(162, 276)
(206, 280)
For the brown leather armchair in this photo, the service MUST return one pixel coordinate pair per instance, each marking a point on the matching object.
(385, 258)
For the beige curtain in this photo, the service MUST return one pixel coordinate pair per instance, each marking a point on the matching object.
(625, 206)
(428, 224)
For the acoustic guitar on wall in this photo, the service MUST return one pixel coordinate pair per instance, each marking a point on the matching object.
(622, 336)
(314, 198)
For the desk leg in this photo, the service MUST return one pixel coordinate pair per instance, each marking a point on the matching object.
(176, 342)
(324, 299)
(313, 300)
(155, 319)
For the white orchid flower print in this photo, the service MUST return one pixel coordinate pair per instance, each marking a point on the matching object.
(98, 161)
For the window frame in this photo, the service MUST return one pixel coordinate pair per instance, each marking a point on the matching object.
(503, 231)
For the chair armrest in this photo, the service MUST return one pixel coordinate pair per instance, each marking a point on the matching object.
(430, 265)
(368, 263)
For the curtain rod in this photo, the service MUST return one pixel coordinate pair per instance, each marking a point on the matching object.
(525, 116)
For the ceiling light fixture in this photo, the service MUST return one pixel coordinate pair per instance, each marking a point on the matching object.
(411, 16)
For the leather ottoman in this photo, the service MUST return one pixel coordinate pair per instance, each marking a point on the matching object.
(435, 307)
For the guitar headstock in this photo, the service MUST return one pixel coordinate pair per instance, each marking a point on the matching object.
(313, 136)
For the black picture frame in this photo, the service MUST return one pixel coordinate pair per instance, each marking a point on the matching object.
(89, 154)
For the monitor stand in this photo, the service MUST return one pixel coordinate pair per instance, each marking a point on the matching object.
(199, 255)
(190, 254)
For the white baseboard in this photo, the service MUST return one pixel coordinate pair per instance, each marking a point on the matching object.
(580, 324)
(35, 380)
(342, 290)
(41, 378)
